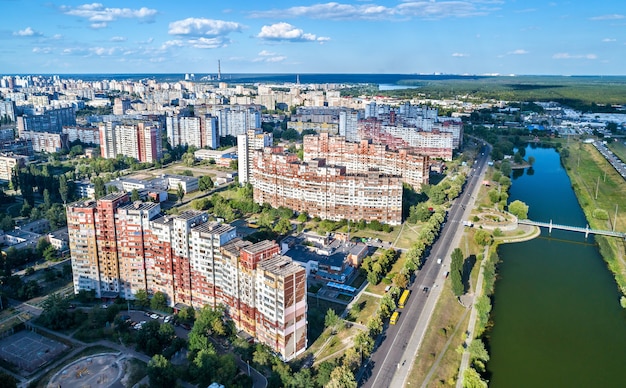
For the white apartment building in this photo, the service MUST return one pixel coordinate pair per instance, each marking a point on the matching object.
(253, 139)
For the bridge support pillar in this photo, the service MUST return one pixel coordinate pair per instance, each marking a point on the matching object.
(587, 231)
(550, 227)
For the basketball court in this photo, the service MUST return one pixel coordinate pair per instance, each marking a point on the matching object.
(28, 350)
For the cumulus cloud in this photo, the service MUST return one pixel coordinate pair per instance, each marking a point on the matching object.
(574, 56)
(614, 16)
(28, 31)
(118, 39)
(460, 55)
(203, 27)
(607, 40)
(406, 9)
(286, 32)
(100, 16)
(518, 52)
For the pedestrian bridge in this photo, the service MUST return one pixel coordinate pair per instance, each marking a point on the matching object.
(586, 230)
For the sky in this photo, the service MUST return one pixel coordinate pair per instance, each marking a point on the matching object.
(523, 37)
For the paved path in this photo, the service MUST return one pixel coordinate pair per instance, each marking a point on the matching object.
(472, 321)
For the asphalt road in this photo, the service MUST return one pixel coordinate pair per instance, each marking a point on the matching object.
(391, 355)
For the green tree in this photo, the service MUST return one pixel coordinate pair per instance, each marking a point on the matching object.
(99, 187)
(531, 159)
(341, 377)
(519, 209)
(180, 192)
(331, 321)
(8, 381)
(63, 189)
(282, 227)
(134, 195)
(141, 298)
(505, 168)
(456, 272)
(482, 237)
(158, 301)
(471, 379)
(47, 201)
(205, 183)
(161, 372)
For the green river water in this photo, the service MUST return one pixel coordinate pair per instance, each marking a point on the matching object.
(557, 317)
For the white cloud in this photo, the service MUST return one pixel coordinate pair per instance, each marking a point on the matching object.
(606, 40)
(100, 51)
(203, 27)
(575, 56)
(42, 50)
(407, 9)
(100, 15)
(57, 36)
(209, 43)
(518, 52)
(27, 32)
(268, 57)
(118, 39)
(286, 32)
(608, 17)
(460, 55)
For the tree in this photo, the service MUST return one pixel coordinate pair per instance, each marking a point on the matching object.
(134, 195)
(159, 301)
(47, 201)
(161, 372)
(342, 377)
(531, 159)
(331, 320)
(99, 187)
(471, 379)
(505, 168)
(456, 272)
(63, 189)
(282, 227)
(180, 192)
(141, 298)
(401, 279)
(482, 237)
(519, 209)
(205, 183)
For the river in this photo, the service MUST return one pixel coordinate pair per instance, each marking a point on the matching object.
(557, 317)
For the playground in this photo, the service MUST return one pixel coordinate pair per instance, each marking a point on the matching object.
(28, 350)
(102, 370)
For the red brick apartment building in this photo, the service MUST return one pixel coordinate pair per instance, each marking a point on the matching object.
(119, 247)
(326, 191)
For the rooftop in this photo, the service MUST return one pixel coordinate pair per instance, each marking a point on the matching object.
(280, 265)
(260, 246)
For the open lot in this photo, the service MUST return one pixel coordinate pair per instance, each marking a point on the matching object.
(28, 350)
(100, 370)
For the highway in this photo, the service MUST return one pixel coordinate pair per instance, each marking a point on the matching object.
(395, 351)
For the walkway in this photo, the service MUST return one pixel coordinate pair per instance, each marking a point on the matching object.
(585, 230)
(472, 321)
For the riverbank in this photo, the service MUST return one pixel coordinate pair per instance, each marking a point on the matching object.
(600, 193)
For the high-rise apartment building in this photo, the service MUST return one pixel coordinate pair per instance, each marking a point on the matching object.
(119, 247)
(200, 132)
(349, 124)
(236, 120)
(247, 143)
(49, 120)
(325, 191)
(364, 156)
(141, 141)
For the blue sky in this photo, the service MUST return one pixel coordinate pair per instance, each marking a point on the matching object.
(298, 36)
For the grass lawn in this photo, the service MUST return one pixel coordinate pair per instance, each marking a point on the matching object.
(619, 149)
(588, 169)
(339, 341)
(317, 309)
(363, 309)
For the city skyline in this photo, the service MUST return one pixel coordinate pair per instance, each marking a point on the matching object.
(379, 36)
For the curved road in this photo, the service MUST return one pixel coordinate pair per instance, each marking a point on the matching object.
(397, 347)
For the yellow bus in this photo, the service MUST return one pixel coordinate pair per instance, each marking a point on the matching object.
(403, 298)
(394, 318)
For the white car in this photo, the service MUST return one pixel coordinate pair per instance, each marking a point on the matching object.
(154, 316)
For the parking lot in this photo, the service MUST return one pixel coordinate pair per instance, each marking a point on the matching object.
(137, 317)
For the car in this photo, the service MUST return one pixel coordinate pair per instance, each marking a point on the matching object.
(154, 316)
(167, 319)
(425, 290)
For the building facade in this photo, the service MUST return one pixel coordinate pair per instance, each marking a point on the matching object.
(363, 157)
(119, 247)
(247, 143)
(325, 191)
